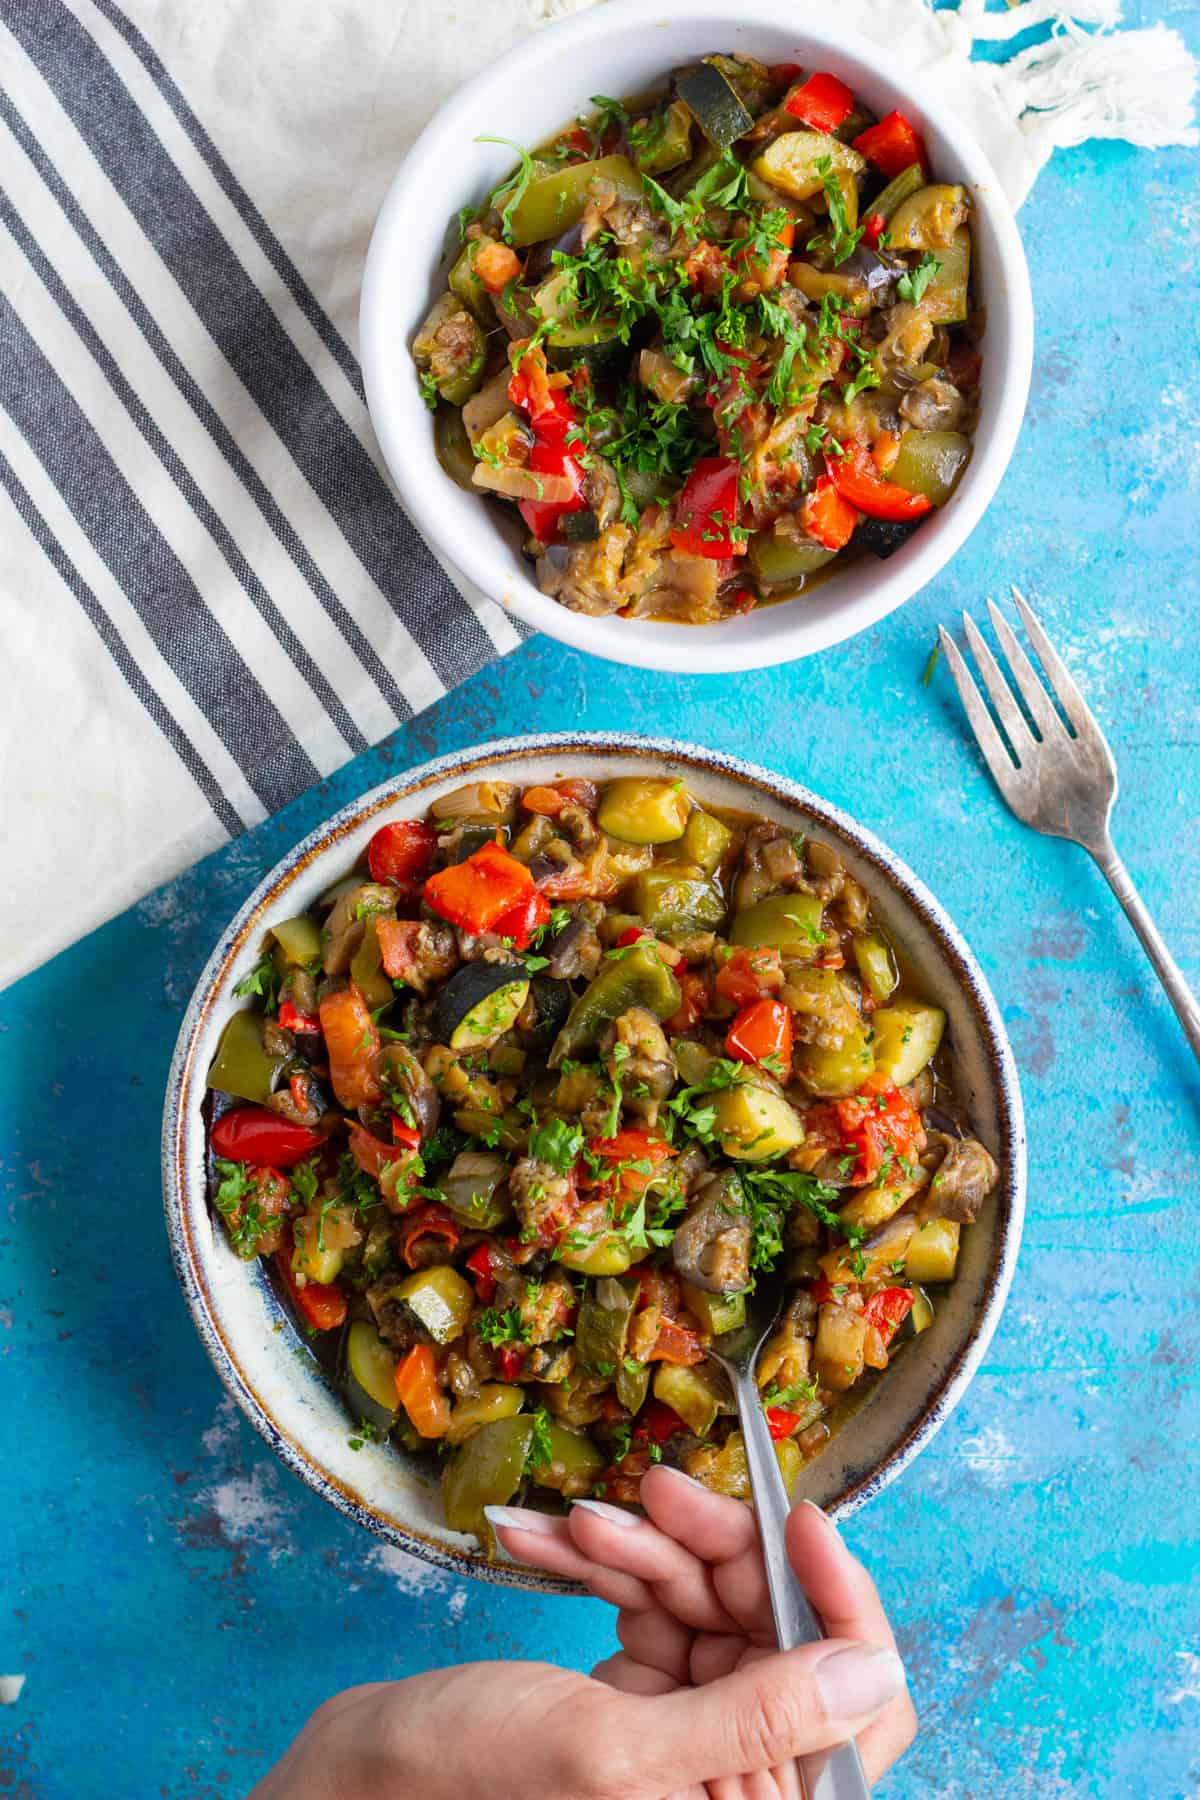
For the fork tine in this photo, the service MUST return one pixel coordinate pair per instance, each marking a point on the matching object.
(992, 745)
(1026, 676)
(1011, 717)
(1069, 696)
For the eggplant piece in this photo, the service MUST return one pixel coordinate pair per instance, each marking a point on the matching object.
(714, 103)
(470, 839)
(580, 527)
(883, 537)
(478, 1004)
(879, 272)
(552, 999)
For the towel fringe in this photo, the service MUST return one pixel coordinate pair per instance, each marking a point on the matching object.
(1136, 85)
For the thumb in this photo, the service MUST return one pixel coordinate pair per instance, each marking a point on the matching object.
(766, 1713)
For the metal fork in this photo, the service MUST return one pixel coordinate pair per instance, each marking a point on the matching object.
(1062, 782)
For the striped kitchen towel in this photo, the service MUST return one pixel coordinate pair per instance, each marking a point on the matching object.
(211, 596)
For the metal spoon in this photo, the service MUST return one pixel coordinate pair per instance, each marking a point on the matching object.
(835, 1774)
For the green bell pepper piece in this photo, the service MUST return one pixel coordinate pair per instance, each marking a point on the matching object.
(705, 841)
(552, 203)
(639, 978)
(241, 1066)
(787, 922)
(632, 1385)
(946, 300)
(453, 447)
(875, 965)
(930, 463)
(777, 557)
(668, 140)
(298, 941)
(677, 897)
(573, 1458)
(603, 1323)
(366, 969)
(464, 282)
(486, 1471)
(901, 187)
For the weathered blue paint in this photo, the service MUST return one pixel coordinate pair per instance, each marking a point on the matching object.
(177, 1603)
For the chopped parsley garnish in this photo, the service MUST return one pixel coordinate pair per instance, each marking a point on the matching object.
(912, 285)
(512, 189)
(263, 981)
(556, 1143)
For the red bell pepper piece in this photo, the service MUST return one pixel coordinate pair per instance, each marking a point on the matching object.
(634, 1157)
(252, 1134)
(482, 1263)
(706, 512)
(352, 1044)
(323, 1304)
(521, 921)
(888, 1309)
(762, 1032)
(408, 1135)
(780, 1422)
(431, 1220)
(784, 72)
(553, 419)
(893, 145)
(874, 226)
(292, 1019)
(474, 893)
(749, 975)
(632, 934)
(659, 1422)
(826, 516)
(372, 1154)
(859, 482)
(549, 457)
(401, 852)
(420, 1392)
(823, 102)
(881, 1125)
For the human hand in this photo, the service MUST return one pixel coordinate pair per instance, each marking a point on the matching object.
(691, 1593)
(696, 1707)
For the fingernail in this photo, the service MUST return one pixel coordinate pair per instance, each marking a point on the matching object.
(858, 1681)
(823, 1516)
(679, 1474)
(613, 1515)
(518, 1518)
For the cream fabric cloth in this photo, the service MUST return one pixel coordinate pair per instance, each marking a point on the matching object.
(212, 597)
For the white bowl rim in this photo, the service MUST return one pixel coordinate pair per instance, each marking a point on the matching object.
(183, 1129)
(731, 645)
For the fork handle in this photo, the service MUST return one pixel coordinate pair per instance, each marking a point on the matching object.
(1165, 967)
(835, 1774)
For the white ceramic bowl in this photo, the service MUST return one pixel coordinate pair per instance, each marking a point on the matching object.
(619, 48)
(269, 1369)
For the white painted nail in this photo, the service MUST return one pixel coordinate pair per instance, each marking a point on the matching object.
(518, 1518)
(612, 1515)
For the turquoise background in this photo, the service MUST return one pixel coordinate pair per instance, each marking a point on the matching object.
(178, 1603)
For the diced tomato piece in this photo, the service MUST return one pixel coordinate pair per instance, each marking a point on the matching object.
(426, 1221)
(632, 934)
(253, 1134)
(823, 102)
(292, 1019)
(352, 1043)
(659, 1422)
(882, 1125)
(826, 516)
(748, 975)
(893, 145)
(474, 893)
(580, 792)
(538, 393)
(784, 72)
(521, 921)
(764, 269)
(401, 852)
(874, 226)
(705, 267)
(323, 1304)
(371, 1154)
(762, 1033)
(496, 265)
(510, 1362)
(706, 512)
(634, 1156)
(676, 1343)
(548, 801)
(859, 482)
(888, 1309)
(421, 1394)
(693, 1002)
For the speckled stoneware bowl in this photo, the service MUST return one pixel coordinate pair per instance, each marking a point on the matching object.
(265, 1363)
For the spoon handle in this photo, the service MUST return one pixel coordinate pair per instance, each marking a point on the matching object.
(835, 1774)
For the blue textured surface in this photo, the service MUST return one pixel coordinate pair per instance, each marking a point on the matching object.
(178, 1604)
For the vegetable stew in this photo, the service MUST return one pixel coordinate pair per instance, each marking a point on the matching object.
(520, 1109)
(709, 342)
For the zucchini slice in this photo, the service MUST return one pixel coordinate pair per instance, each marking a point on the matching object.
(714, 104)
(478, 1004)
